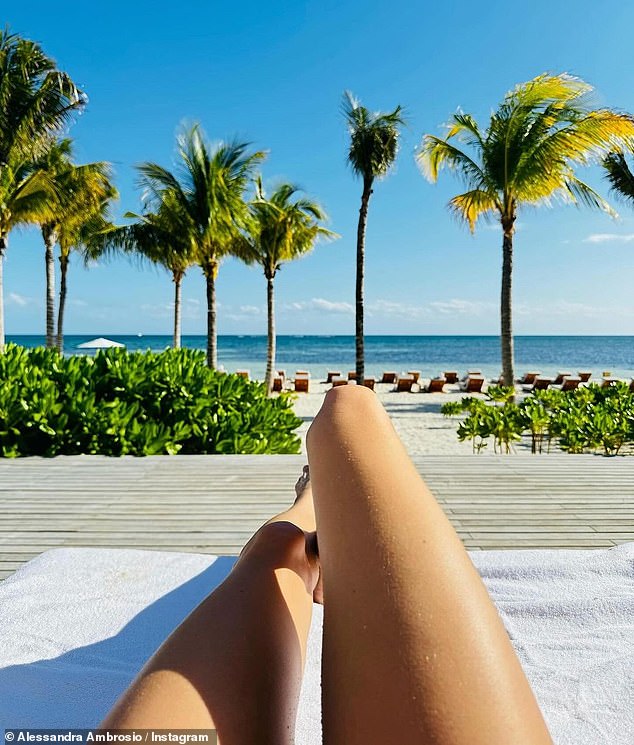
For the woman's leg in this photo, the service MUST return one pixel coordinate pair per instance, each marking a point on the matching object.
(414, 650)
(235, 664)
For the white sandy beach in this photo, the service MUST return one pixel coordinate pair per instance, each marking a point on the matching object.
(416, 417)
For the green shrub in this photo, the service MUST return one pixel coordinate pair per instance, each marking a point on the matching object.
(140, 403)
(588, 419)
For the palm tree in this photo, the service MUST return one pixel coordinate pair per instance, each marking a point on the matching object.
(620, 176)
(283, 227)
(372, 152)
(55, 162)
(36, 101)
(159, 237)
(209, 193)
(84, 203)
(24, 199)
(527, 156)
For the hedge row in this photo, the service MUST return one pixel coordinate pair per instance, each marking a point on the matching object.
(141, 403)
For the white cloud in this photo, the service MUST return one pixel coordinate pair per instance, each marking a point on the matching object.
(321, 304)
(162, 310)
(250, 310)
(609, 238)
(567, 309)
(190, 309)
(462, 307)
(395, 309)
(20, 300)
(78, 303)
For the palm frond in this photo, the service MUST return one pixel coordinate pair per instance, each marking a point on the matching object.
(473, 205)
(619, 176)
(583, 194)
(373, 138)
(283, 227)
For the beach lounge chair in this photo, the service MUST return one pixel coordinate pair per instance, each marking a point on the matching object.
(471, 374)
(473, 384)
(415, 374)
(560, 377)
(539, 384)
(529, 378)
(339, 380)
(436, 385)
(244, 374)
(570, 384)
(388, 377)
(404, 384)
(632, 386)
(302, 381)
(278, 384)
(584, 376)
(607, 382)
(369, 383)
(352, 375)
(332, 374)
(451, 376)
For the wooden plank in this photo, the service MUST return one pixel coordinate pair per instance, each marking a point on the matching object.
(213, 503)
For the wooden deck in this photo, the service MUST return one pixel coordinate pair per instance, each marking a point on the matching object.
(213, 503)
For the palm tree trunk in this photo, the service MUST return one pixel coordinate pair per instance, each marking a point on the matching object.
(3, 247)
(63, 265)
(49, 258)
(270, 347)
(506, 332)
(359, 340)
(178, 278)
(212, 350)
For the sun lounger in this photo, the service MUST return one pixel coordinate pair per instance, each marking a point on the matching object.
(632, 386)
(278, 384)
(244, 374)
(472, 374)
(529, 378)
(404, 384)
(569, 614)
(436, 385)
(332, 374)
(584, 376)
(369, 383)
(302, 381)
(388, 377)
(560, 377)
(415, 374)
(539, 384)
(451, 376)
(339, 380)
(473, 384)
(352, 375)
(569, 384)
(607, 382)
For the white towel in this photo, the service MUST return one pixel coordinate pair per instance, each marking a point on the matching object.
(77, 624)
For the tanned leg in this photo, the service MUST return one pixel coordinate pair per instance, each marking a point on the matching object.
(414, 650)
(235, 664)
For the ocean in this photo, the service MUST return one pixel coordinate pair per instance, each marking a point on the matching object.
(429, 354)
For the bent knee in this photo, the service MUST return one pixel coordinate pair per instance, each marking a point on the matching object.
(344, 408)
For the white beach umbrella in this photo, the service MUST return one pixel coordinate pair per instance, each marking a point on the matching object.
(99, 343)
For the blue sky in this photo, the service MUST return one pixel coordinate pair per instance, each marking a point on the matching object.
(274, 73)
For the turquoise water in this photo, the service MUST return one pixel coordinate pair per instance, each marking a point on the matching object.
(430, 354)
